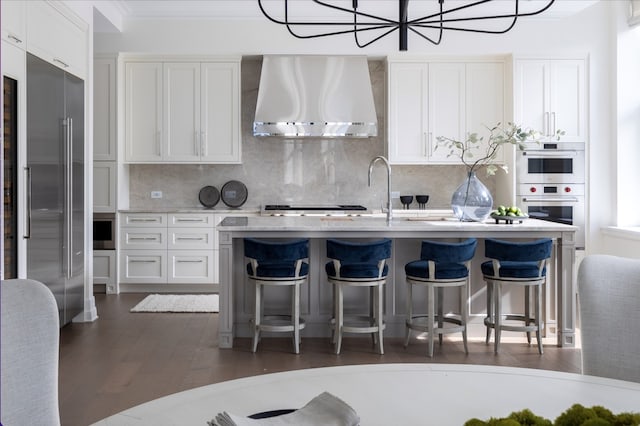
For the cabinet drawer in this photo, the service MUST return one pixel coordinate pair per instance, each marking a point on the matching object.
(191, 239)
(144, 219)
(143, 239)
(148, 266)
(191, 220)
(191, 266)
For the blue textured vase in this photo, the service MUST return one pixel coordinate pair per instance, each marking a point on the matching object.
(472, 201)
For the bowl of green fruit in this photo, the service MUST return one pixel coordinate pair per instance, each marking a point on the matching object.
(509, 214)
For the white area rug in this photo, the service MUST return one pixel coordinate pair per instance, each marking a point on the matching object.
(178, 303)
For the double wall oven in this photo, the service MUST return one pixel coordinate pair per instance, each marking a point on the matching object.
(551, 184)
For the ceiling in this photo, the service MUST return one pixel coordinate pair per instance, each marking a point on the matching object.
(249, 9)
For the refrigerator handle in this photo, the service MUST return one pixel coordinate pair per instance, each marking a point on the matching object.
(27, 234)
(70, 197)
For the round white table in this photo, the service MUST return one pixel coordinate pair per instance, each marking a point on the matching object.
(393, 394)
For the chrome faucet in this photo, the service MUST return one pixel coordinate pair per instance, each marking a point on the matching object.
(386, 162)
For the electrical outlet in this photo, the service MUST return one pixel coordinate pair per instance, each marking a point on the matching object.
(395, 194)
(156, 194)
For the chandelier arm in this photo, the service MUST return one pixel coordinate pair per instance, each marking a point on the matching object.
(354, 11)
(479, 2)
(470, 30)
(293, 33)
(355, 34)
(512, 15)
(429, 39)
(286, 22)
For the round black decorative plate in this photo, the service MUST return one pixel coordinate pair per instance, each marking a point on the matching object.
(209, 196)
(234, 193)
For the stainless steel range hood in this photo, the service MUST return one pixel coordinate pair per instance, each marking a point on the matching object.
(315, 96)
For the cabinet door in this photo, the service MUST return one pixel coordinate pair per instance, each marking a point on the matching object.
(220, 113)
(143, 238)
(104, 269)
(484, 102)
(181, 118)
(104, 186)
(190, 267)
(138, 220)
(567, 99)
(143, 112)
(104, 109)
(408, 113)
(531, 94)
(191, 239)
(56, 36)
(143, 266)
(446, 108)
(14, 27)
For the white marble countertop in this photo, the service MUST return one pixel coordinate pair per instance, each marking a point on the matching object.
(195, 209)
(377, 224)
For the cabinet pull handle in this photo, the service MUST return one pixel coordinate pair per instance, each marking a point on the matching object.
(14, 38)
(189, 261)
(61, 62)
(142, 261)
(158, 143)
(545, 124)
(141, 220)
(143, 239)
(27, 234)
(553, 115)
(190, 220)
(196, 144)
(189, 239)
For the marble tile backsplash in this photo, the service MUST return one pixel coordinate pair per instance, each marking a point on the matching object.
(305, 171)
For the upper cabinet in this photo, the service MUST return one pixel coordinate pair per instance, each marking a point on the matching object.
(104, 109)
(56, 35)
(550, 95)
(428, 99)
(182, 112)
(14, 24)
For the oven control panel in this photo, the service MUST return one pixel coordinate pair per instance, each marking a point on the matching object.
(550, 189)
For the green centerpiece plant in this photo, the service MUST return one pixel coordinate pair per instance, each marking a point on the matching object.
(472, 201)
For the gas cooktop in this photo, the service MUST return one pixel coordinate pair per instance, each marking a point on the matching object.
(331, 207)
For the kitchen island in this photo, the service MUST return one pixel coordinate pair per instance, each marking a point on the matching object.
(236, 301)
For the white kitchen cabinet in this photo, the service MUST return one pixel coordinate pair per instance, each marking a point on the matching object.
(196, 112)
(104, 270)
(143, 266)
(550, 95)
(14, 23)
(143, 112)
(484, 102)
(104, 109)
(57, 35)
(173, 248)
(104, 186)
(428, 99)
(191, 266)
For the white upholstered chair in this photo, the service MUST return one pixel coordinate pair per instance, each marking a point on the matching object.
(30, 335)
(609, 299)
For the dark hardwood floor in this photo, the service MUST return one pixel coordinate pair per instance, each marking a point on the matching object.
(124, 359)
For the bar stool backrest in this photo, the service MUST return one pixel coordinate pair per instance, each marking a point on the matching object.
(449, 252)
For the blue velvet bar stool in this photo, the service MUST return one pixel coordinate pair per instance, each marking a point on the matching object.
(441, 265)
(277, 263)
(358, 264)
(520, 264)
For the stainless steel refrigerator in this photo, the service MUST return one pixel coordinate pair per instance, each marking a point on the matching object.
(55, 183)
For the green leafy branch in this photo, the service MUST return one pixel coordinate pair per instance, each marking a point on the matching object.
(498, 135)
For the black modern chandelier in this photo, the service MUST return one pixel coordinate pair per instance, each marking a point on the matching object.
(477, 16)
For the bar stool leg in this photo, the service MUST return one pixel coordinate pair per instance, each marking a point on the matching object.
(490, 314)
(339, 319)
(497, 315)
(373, 302)
(527, 309)
(440, 312)
(296, 318)
(409, 322)
(464, 315)
(430, 319)
(257, 316)
(539, 317)
(379, 317)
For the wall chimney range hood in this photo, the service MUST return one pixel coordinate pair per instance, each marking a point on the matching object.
(315, 96)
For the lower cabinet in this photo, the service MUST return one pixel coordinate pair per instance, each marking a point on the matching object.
(179, 252)
(104, 270)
